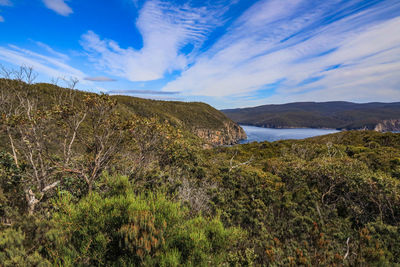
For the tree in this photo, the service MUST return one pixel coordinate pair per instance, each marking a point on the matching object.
(27, 127)
(98, 130)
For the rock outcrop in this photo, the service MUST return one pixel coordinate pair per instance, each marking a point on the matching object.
(230, 134)
(388, 125)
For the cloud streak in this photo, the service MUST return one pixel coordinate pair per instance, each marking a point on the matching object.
(142, 92)
(50, 66)
(58, 6)
(52, 51)
(99, 79)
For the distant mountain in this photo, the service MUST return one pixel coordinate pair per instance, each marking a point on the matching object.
(335, 114)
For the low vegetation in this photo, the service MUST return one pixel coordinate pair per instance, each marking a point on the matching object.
(84, 182)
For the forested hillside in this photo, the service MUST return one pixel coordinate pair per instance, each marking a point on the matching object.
(199, 118)
(86, 182)
(195, 117)
(333, 115)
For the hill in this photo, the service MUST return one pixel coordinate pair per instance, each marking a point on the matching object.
(198, 118)
(334, 115)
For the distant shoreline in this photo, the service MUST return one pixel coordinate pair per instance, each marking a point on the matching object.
(262, 134)
(284, 127)
(339, 115)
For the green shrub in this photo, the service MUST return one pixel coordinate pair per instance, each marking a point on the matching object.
(14, 253)
(123, 229)
(12, 198)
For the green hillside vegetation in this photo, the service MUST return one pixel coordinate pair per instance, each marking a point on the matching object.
(187, 115)
(85, 181)
(334, 115)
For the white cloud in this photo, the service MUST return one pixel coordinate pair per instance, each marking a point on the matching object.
(50, 66)
(58, 6)
(165, 29)
(290, 41)
(50, 50)
(1, 19)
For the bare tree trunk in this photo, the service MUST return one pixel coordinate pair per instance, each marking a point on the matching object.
(31, 197)
(14, 151)
(31, 200)
(90, 187)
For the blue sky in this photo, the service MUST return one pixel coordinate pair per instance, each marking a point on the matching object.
(228, 53)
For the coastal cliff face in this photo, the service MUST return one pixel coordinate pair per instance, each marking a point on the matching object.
(388, 125)
(230, 134)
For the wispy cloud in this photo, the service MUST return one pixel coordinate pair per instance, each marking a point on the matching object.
(50, 66)
(1, 19)
(58, 6)
(52, 51)
(297, 41)
(144, 92)
(100, 79)
(165, 29)
(162, 98)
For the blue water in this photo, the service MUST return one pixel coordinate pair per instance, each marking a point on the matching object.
(260, 134)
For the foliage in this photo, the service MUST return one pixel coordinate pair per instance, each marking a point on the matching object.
(11, 189)
(301, 201)
(66, 139)
(123, 229)
(13, 252)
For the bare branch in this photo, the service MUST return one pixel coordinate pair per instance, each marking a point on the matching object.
(51, 186)
(30, 74)
(71, 82)
(348, 249)
(240, 164)
(55, 81)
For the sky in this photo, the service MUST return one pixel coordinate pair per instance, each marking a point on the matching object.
(228, 53)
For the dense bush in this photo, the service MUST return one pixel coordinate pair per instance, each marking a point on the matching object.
(13, 250)
(11, 189)
(120, 228)
(308, 203)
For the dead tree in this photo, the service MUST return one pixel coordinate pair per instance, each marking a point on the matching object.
(29, 129)
(97, 142)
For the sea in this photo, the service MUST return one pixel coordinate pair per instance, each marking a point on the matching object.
(259, 134)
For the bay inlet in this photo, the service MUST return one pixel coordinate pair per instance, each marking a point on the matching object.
(260, 134)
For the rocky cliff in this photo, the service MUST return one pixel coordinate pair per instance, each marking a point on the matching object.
(230, 134)
(388, 125)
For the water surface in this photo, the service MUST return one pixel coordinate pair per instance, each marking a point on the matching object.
(260, 134)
